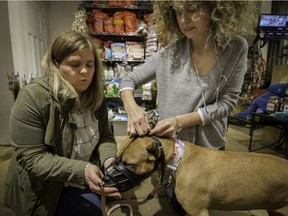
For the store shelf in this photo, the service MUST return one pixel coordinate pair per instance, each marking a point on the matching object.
(118, 37)
(112, 9)
(122, 61)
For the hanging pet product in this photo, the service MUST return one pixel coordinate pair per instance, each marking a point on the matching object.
(79, 23)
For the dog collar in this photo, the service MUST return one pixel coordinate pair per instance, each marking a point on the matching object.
(178, 154)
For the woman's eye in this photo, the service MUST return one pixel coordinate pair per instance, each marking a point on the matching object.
(75, 64)
(90, 65)
(178, 13)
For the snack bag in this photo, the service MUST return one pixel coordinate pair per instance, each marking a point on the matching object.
(130, 2)
(99, 17)
(112, 3)
(108, 25)
(129, 20)
(121, 3)
(118, 22)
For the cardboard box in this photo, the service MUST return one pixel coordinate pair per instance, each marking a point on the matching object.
(279, 71)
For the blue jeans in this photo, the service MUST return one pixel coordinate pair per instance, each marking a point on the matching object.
(75, 202)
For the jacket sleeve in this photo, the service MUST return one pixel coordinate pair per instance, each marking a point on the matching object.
(106, 147)
(27, 128)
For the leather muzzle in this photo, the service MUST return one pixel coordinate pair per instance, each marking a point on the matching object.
(117, 175)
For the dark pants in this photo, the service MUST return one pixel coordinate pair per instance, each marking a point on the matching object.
(75, 202)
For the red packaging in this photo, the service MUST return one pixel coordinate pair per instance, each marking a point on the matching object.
(118, 22)
(108, 25)
(129, 20)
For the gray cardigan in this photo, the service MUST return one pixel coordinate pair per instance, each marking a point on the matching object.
(180, 93)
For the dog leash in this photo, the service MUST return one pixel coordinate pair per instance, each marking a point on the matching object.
(108, 211)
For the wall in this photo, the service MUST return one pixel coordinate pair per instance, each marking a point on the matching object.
(6, 62)
(265, 8)
(61, 17)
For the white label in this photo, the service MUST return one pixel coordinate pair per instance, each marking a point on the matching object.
(270, 107)
(285, 108)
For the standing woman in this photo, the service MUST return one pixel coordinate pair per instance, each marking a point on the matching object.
(199, 74)
(61, 135)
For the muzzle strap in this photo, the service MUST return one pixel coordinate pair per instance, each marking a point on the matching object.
(161, 156)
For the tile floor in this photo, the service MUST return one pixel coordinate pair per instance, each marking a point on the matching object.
(238, 140)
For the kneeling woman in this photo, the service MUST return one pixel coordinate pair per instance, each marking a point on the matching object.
(61, 135)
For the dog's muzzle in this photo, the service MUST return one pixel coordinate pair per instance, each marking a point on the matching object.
(117, 175)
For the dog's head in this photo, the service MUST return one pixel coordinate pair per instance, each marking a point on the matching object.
(136, 159)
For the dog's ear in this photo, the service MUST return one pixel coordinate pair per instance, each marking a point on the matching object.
(124, 145)
(152, 150)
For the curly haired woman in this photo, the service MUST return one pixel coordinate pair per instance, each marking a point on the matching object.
(199, 73)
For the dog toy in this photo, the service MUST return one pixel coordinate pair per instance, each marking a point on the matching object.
(259, 104)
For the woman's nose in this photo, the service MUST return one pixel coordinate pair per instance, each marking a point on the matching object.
(84, 71)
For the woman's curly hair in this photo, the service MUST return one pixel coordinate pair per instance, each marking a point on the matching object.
(228, 18)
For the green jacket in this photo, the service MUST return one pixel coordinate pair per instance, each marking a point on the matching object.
(42, 133)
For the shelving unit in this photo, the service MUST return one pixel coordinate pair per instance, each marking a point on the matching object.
(118, 37)
(103, 8)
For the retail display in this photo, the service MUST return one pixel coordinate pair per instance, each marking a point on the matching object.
(269, 100)
(79, 23)
(125, 37)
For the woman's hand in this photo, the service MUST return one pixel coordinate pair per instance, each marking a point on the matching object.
(166, 127)
(137, 121)
(93, 177)
(137, 117)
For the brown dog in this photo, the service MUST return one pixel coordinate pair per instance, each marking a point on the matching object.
(208, 179)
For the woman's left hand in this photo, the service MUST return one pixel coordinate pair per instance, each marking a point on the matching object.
(166, 127)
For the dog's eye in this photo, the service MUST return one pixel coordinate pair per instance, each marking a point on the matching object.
(127, 164)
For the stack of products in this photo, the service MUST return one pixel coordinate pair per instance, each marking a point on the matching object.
(120, 51)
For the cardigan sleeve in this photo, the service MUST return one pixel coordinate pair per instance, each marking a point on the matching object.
(140, 75)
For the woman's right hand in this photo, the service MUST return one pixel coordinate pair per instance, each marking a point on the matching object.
(137, 121)
(166, 127)
(137, 117)
(93, 177)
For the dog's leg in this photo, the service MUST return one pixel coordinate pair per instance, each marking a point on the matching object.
(273, 213)
(202, 212)
(194, 207)
(279, 212)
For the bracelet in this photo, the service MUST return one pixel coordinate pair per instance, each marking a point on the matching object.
(177, 122)
(88, 164)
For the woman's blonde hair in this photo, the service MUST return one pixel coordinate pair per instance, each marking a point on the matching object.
(228, 18)
(64, 45)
